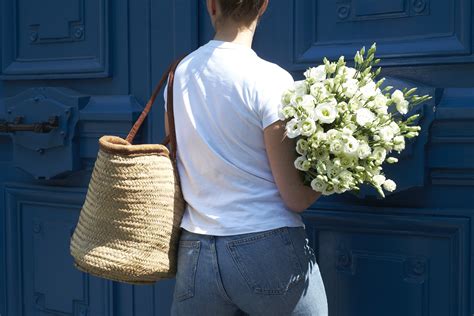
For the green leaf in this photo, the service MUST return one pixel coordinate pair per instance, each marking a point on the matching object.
(410, 92)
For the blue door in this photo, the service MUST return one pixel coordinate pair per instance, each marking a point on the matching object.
(88, 67)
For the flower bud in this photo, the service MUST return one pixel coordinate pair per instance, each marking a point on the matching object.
(392, 160)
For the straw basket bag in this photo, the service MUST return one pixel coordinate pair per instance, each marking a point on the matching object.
(128, 228)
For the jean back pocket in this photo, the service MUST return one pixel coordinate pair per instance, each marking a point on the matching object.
(267, 261)
(188, 255)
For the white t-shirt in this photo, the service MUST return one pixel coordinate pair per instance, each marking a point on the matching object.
(224, 96)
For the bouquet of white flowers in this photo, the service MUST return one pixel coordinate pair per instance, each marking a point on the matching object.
(345, 126)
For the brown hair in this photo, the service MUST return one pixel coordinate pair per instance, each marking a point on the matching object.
(241, 11)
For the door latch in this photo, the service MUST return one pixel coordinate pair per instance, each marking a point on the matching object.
(41, 127)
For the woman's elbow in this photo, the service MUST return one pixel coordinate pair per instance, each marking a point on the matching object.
(302, 204)
(297, 208)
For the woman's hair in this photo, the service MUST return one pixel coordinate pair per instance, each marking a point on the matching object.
(241, 11)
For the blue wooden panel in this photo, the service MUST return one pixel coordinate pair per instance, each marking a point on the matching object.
(384, 264)
(412, 250)
(173, 34)
(41, 278)
(375, 9)
(329, 29)
(70, 41)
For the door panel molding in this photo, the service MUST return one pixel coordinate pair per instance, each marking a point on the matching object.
(58, 42)
(406, 32)
(40, 272)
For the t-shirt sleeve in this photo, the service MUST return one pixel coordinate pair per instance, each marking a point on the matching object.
(270, 96)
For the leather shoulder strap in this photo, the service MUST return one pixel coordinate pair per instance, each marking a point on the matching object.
(169, 74)
(170, 110)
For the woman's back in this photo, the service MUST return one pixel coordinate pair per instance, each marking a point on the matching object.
(224, 96)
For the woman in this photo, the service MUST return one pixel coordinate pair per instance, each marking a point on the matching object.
(243, 248)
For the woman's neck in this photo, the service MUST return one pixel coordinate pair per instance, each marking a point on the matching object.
(234, 34)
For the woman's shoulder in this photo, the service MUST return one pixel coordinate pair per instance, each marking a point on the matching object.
(272, 68)
(272, 74)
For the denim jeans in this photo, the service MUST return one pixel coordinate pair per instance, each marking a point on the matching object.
(271, 272)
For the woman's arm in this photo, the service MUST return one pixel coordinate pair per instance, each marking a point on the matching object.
(281, 155)
(167, 129)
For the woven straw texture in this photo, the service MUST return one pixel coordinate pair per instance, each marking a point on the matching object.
(128, 228)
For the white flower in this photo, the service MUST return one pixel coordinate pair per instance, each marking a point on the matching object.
(307, 102)
(329, 84)
(379, 179)
(342, 107)
(319, 91)
(293, 128)
(353, 127)
(351, 86)
(332, 101)
(321, 154)
(302, 146)
(364, 116)
(379, 154)
(318, 185)
(348, 161)
(381, 110)
(333, 171)
(380, 104)
(397, 96)
(333, 134)
(320, 137)
(395, 127)
(380, 100)
(386, 133)
(399, 143)
(398, 139)
(364, 150)
(336, 147)
(301, 87)
(294, 100)
(399, 99)
(350, 72)
(345, 176)
(389, 185)
(340, 187)
(286, 97)
(369, 90)
(326, 112)
(308, 127)
(355, 104)
(316, 73)
(329, 189)
(346, 131)
(402, 107)
(351, 146)
(316, 88)
(373, 170)
(286, 112)
(301, 163)
(331, 68)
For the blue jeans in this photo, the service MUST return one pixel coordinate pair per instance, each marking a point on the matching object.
(272, 272)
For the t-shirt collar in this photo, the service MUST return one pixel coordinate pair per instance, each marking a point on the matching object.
(229, 45)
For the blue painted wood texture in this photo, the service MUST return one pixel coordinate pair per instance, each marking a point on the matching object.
(409, 254)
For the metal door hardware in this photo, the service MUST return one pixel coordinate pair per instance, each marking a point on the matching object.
(40, 127)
